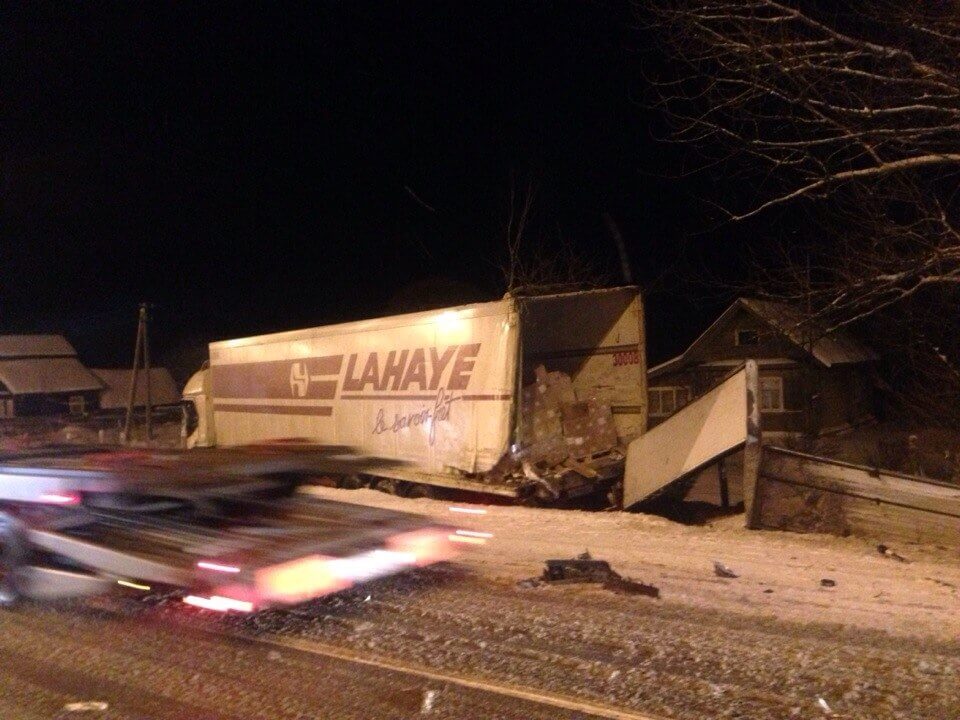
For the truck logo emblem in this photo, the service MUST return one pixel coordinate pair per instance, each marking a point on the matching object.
(299, 379)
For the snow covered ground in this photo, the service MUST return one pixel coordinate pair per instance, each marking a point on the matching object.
(780, 574)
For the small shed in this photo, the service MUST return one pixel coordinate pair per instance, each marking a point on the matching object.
(41, 375)
(810, 380)
(116, 395)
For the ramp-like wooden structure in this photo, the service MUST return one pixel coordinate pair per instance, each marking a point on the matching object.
(718, 423)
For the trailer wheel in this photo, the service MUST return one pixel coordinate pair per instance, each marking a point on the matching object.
(419, 490)
(350, 482)
(390, 486)
(537, 497)
(12, 556)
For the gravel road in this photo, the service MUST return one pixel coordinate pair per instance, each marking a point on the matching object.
(166, 663)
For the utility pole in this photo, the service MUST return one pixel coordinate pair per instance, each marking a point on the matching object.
(142, 344)
(617, 236)
(811, 381)
(145, 315)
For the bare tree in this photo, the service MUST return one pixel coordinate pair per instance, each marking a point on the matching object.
(858, 107)
(539, 257)
(852, 111)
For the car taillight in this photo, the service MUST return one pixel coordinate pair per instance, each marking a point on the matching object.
(217, 567)
(426, 546)
(301, 579)
(60, 498)
(219, 603)
(470, 537)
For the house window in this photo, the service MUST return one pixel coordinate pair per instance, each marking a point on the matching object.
(664, 401)
(748, 337)
(771, 393)
(77, 404)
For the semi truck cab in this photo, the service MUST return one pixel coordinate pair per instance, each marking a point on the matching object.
(198, 410)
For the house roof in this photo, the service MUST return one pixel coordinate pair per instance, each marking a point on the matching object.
(46, 376)
(163, 389)
(12, 346)
(829, 349)
(835, 348)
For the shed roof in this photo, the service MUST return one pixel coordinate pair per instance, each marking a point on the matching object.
(12, 346)
(833, 348)
(46, 376)
(163, 389)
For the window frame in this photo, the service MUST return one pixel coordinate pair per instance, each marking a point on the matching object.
(660, 391)
(776, 380)
(77, 404)
(739, 331)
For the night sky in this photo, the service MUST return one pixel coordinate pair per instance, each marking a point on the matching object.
(257, 170)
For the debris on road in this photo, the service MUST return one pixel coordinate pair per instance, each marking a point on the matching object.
(86, 706)
(426, 706)
(822, 704)
(888, 552)
(721, 570)
(585, 569)
(631, 587)
(827, 582)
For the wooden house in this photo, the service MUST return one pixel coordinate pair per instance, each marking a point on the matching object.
(810, 381)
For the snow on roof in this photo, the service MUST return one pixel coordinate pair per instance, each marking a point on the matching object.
(667, 365)
(46, 376)
(163, 389)
(12, 346)
(834, 348)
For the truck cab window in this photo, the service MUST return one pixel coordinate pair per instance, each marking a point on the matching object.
(190, 416)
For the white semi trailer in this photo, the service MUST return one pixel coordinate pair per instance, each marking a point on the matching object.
(530, 397)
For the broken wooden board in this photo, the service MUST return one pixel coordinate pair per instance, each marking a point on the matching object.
(716, 424)
(805, 493)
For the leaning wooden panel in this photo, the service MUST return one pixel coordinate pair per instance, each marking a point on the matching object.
(711, 427)
(804, 493)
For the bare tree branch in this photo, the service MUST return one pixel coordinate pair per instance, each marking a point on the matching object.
(853, 111)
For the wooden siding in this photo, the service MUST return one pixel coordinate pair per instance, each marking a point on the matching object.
(814, 397)
(720, 343)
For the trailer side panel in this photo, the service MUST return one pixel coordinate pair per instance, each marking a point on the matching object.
(435, 389)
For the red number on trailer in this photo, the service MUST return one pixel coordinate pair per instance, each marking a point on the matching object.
(631, 357)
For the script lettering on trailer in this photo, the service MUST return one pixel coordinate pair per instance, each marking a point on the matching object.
(440, 412)
(404, 371)
(433, 374)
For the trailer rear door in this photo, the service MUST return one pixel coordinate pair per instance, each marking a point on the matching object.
(597, 338)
